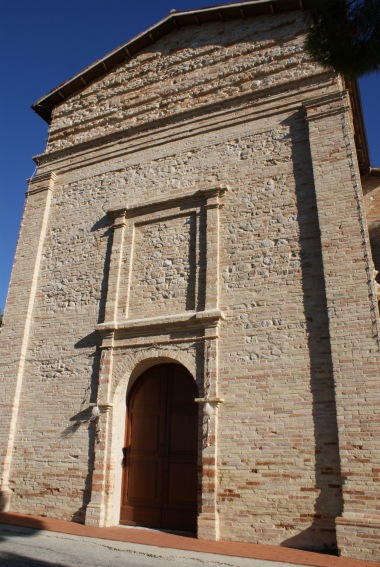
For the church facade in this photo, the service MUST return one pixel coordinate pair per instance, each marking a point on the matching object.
(191, 337)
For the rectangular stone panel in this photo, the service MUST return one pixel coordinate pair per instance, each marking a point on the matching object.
(163, 277)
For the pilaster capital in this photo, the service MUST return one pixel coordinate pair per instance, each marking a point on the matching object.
(104, 407)
(41, 182)
(119, 220)
(212, 401)
(326, 105)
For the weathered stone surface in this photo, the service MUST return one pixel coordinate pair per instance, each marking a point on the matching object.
(259, 284)
(185, 71)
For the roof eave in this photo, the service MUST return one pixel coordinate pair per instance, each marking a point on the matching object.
(44, 106)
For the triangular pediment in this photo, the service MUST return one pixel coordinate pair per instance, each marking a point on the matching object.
(169, 24)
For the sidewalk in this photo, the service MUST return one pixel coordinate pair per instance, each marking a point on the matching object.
(181, 542)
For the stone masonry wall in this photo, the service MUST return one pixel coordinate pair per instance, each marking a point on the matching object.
(279, 475)
(276, 382)
(164, 268)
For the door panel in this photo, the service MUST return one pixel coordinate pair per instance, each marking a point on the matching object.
(160, 474)
(182, 484)
(150, 394)
(180, 443)
(145, 436)
(142, 479)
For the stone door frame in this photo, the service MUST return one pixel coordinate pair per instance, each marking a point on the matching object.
(129, 345)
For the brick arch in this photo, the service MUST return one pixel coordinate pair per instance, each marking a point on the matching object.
(134, 366)
(126, 373)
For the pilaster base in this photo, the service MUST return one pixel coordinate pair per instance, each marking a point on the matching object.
(358, 536)
(208, 527)
(5, 499)
(95, 515)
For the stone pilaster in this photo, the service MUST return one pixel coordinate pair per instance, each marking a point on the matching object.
(96, 513)
(19, 314)
(208, 519)
(212, 250)
(353, 319)
(119, 225)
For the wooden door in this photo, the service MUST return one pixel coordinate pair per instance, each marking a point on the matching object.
(160, 453)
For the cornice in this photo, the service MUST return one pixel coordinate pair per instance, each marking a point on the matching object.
(326, 105)
(270, 99)
(41, 182)
(185, 320)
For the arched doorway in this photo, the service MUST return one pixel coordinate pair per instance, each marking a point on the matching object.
(160, 453)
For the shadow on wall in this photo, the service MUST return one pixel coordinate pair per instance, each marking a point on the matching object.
(83, 419)
(321, 533)
(104, 224)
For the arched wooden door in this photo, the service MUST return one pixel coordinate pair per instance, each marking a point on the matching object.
(160, 454)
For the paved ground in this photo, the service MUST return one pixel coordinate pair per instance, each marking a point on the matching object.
(85, 546)
(25, 547)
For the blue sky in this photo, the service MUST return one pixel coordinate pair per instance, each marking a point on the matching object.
(43, 44)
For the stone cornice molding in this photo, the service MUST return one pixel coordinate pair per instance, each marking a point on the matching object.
(134, 210)
(268, 99)
(200, 319)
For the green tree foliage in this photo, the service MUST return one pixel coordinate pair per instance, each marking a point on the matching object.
(344, 35)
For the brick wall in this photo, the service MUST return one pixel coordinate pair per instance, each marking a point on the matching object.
(229, 110)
